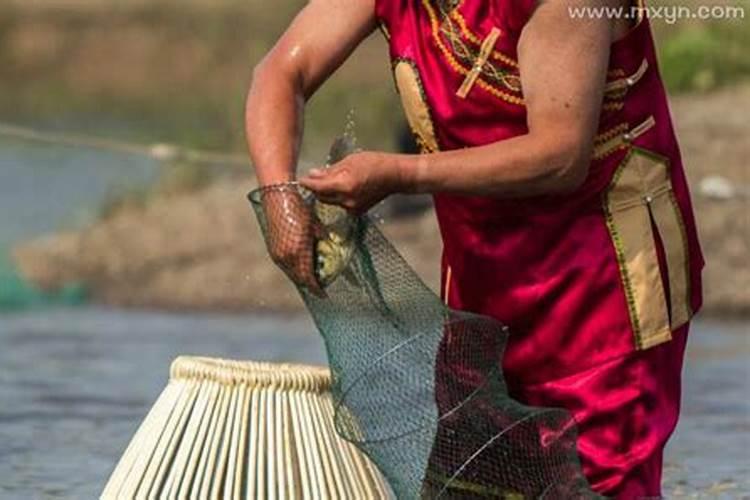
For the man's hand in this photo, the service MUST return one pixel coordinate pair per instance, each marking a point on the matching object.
(321, 37)
(357, 182)
(291, 236)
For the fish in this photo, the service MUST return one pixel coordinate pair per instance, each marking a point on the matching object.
(335, 247)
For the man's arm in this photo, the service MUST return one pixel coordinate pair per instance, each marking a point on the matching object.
(563, 63)
(321, 37)
(317, 42)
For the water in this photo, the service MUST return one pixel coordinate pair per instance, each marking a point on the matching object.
(75, 383)
(49, 188)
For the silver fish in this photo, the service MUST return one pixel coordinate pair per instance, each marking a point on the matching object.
(335, 247)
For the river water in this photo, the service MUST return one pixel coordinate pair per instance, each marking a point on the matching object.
(46, 188)
(75, 383)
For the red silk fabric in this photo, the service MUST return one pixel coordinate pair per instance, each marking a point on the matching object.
(625, 410)
(546, 266)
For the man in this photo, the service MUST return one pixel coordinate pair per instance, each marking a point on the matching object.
(558, 187)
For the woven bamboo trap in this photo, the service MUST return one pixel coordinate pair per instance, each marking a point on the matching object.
(243, 430)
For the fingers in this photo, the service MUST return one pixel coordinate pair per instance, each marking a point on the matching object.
(328, 188)
(327, 179)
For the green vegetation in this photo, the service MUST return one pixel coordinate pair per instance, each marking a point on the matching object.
(16, 293)
(177, 70)
(170, 71)
(704, 57)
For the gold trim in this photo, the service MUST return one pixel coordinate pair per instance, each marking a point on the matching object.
(622, 84)
(619, 137)
(472, 37)
(384, 30)
(447, 287)
(456, 66)
(668, 219)
(640, 194)
(476, 69)
(462, 485)
(414, 102)
(609, 141)
(613, 106)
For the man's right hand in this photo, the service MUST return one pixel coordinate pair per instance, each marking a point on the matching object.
(291, 234)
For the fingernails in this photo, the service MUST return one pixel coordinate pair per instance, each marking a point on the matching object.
(316, 172)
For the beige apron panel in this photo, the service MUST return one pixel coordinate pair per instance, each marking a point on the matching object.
(668, 220)
(641, 191)
(415, 105)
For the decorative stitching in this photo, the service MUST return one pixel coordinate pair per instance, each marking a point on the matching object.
(618, 138)
(422, 144)
(458, 68)
(413, 64)
(623, 83)
(461, 20)
(611, 207)
(468, 56)
(613, 106)
(620, 254)
(611, 133)
(479, 63)
(686, 246)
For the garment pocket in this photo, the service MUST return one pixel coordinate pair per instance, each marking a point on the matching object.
(638, 201)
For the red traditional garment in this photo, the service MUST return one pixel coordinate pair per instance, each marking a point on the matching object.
(584, 280)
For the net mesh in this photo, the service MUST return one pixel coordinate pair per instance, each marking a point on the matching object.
(418, 387)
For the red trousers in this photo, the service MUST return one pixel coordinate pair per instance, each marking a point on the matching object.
(625, 409)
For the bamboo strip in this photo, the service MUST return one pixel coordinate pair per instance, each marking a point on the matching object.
(210, 473)
(271, 446)
(252, 462)
(262, 445)
(324, 453)
(175, 434)
(151, 435)
(226, 441)
(200, 476)
(184, 446)
(278, 448)
(132, 452)
(291, 470)
(330, 442)
(229, 430)
(347, 460)
(301, 452)
(200, 443)
(313, 453)
(160, 444)
(239, 443)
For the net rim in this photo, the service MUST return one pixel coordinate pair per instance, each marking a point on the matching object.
(255, 196)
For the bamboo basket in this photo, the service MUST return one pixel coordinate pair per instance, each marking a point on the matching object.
(243, 430)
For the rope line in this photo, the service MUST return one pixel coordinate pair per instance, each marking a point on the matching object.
(163, 152)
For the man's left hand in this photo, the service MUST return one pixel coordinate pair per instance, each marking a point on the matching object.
(357, 182)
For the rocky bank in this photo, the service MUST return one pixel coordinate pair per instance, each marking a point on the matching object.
(203, 250)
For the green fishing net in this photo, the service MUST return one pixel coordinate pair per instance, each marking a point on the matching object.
(418, 387)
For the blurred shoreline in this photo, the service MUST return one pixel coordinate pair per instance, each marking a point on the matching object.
(202, 249)
(176, 71)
